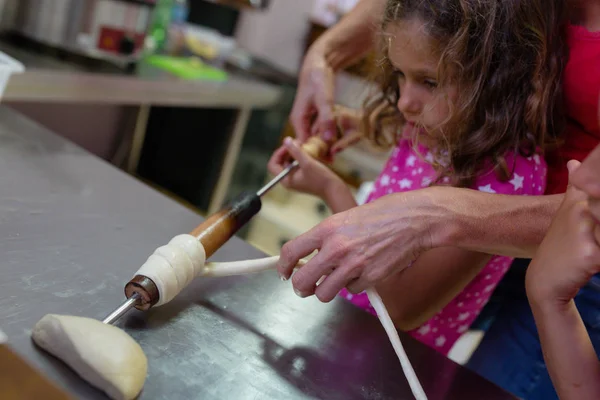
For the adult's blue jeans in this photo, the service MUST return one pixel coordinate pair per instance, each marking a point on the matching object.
(510, 354)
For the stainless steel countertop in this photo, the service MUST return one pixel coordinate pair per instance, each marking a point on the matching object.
(51, 80)
(73, 230)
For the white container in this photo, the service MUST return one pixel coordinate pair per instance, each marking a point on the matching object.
(8, 66)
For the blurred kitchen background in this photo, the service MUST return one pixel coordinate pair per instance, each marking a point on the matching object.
(190, 96)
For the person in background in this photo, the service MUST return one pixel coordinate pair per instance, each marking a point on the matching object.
(458, 111)
(567, 260)
(512, 340)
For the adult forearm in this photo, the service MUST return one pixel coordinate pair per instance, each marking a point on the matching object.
(352, 38)
(570, 357)
(490, 223)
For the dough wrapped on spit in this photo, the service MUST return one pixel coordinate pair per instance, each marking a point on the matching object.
(174, 266)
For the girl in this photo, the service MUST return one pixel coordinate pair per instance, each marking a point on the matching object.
(471, 88)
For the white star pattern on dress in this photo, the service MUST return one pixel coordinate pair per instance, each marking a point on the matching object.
(424, 330)
(405, 183)
(426, 181)
(536, 158)
(440, 341)
(463, 329)
(395, 169)
(464, 316)
(487, 189)
(349, 296)
(489, 288)
(517, 182)
(429, 158)
(385, 180)
(410, 161)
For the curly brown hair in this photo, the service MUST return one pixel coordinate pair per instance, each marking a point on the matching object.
(506, 58)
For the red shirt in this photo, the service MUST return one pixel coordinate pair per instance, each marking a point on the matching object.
(582, 91)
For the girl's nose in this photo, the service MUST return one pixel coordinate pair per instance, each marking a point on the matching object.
(408, 103)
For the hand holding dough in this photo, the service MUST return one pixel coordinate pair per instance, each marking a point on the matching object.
(104, 355)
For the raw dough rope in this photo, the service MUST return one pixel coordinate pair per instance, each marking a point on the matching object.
(390, 329)
(173, 266)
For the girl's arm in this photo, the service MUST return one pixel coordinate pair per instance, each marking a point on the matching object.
(416, 294)
(338, 197)
(570, 357)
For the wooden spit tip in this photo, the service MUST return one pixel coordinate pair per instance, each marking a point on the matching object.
(217, 229)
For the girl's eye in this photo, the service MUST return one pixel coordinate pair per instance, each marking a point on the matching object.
(430, 84)
(399, 74)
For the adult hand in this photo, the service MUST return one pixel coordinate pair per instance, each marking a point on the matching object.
(360, 247)
(569, 255)
(312, 112)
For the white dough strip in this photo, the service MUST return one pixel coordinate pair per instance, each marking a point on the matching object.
(390, 329)
(219, 269)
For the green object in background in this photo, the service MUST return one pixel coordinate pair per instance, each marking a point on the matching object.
(187, 68)
(158, 27)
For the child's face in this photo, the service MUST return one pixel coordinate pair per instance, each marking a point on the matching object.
(411, 51)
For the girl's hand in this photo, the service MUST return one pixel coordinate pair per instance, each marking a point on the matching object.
(587, 180)
(310, 176)
(569, 255)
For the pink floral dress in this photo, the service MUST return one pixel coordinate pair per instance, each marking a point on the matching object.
(407, 170)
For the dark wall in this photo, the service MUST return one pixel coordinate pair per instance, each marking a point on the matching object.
(215, 16)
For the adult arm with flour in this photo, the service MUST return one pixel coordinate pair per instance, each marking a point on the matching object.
(339, 47)
(363, 246)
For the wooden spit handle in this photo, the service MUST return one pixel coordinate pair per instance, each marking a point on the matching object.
(217, 229)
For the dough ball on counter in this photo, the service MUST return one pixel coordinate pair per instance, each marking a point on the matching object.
(104, 355)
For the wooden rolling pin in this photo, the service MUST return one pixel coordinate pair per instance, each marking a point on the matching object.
(142, 292)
